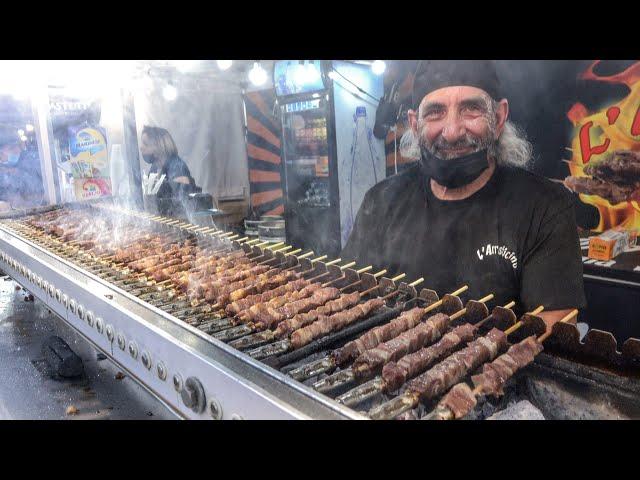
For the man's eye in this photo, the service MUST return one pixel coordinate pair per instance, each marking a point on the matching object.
(471, 111)
(433, 113)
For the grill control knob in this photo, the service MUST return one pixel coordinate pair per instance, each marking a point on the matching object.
(193, 395)
(146, 359)
(110, 333)
(133, 349)
(99, 325)
(162, 371)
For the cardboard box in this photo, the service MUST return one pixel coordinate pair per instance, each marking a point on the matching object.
(610, 244)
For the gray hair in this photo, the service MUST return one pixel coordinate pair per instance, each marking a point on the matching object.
(512, 147)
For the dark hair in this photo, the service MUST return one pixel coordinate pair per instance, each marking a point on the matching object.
(161, 141)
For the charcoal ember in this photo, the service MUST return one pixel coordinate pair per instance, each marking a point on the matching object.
(522, 410)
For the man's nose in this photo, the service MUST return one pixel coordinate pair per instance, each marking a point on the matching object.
(453, 129)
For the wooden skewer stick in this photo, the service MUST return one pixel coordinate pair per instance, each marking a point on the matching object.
(372, 289)
(517, 325)
(251, 242)
(398, 291)
(242, 240)
(439, 302)
(331, 282)
(332, 262)
(365, 269)
(228, 234)
(312, 262)
(233, 237)
(350, 264)
(274, 258)
(283, 249)
(564, 319)
(293, 252)
(460, 313)
(376, 275)
(279, 244)
(304, 255)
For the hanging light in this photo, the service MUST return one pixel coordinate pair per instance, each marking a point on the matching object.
(169, 92)
(257, 74)
(29, 127)
(224, 64)
(332, 75)
(21, 133)
(378, 67)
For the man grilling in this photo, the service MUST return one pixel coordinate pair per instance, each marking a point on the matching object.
(468, 213)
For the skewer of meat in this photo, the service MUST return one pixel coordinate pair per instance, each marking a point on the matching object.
(371, 362)
(278, 325)
(443, 375)
(396, 373)
(461, 399)
(370, 339)
(324, 326)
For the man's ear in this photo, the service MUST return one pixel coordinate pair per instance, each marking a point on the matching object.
(412, 115)
(502, 113)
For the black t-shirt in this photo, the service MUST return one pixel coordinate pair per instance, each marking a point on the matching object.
(515, 238)
(173, 168)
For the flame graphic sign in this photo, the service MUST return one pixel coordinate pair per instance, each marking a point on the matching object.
(614, 127)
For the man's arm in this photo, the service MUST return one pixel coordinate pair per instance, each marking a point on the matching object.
(552, 269)
(554, 316)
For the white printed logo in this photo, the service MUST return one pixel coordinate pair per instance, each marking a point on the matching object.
(502, 251)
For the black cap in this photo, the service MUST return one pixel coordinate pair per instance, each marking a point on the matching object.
(432, 75)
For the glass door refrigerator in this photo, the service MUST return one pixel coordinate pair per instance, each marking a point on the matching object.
(330, 157)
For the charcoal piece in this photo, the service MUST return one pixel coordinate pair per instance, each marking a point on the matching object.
(64, 361)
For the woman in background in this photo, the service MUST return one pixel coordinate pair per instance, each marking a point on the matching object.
(20, 176)
(158, 149)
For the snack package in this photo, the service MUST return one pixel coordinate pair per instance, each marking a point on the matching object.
(611, 243)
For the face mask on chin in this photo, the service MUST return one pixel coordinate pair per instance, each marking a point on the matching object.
(455, 172)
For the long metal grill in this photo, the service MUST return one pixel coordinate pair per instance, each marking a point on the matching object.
(368, 341)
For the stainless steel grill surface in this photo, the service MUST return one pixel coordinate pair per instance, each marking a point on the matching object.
(218, 326)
